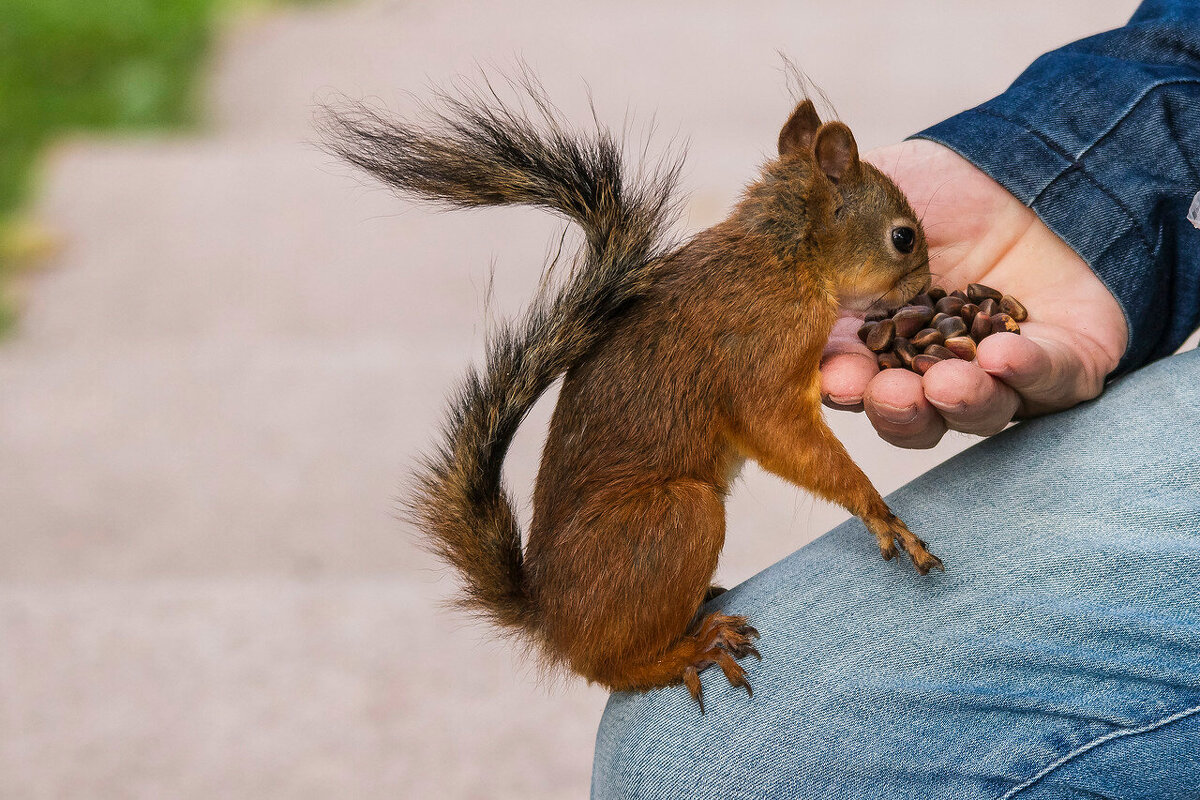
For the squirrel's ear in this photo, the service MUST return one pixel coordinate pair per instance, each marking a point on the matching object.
(836, 151)
(797, 133)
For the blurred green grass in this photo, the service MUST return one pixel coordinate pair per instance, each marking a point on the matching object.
(92, 65)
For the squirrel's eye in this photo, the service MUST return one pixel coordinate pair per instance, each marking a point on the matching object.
(903, 239)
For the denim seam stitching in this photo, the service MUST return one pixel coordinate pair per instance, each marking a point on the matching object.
(1149, 90)
(1146, 92)
(1133, 107)
(1074, 164)
(1169, 120)
(1108, 737)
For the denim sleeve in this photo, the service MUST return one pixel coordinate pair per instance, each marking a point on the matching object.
(1101, 138)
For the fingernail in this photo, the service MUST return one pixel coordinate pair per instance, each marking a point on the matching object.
(949, 408)
(900, 415)
(846, 400)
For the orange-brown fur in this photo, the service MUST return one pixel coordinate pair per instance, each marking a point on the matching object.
(709, 357)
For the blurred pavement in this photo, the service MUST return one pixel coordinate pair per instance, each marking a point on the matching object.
(218, 387)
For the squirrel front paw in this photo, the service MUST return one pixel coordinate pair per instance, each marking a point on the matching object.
(891, 531)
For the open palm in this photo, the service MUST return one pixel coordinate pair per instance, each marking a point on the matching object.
(979, 233)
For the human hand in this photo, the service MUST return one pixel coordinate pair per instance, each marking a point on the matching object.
(979, 233)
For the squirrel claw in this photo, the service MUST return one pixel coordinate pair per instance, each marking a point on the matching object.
(894, 535)
(691, 679)
(722, 638)
(733, 672)
(924, 561)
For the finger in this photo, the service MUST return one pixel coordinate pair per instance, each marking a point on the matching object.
(1044, 372)
(844, 378)
(896, 405)
(968, 398)
(847, 366)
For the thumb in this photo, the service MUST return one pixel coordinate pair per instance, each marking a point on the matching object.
(1046, 372)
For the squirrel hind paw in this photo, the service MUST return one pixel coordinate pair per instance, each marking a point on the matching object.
(723, 638)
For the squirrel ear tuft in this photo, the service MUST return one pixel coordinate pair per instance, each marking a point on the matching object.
(836, 151)
(797, 133)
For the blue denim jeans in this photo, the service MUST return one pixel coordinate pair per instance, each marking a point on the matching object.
(1058, 657)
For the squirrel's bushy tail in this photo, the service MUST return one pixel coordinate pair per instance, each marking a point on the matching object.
(475, 151)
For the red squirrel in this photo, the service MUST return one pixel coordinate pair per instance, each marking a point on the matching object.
(678, 363)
